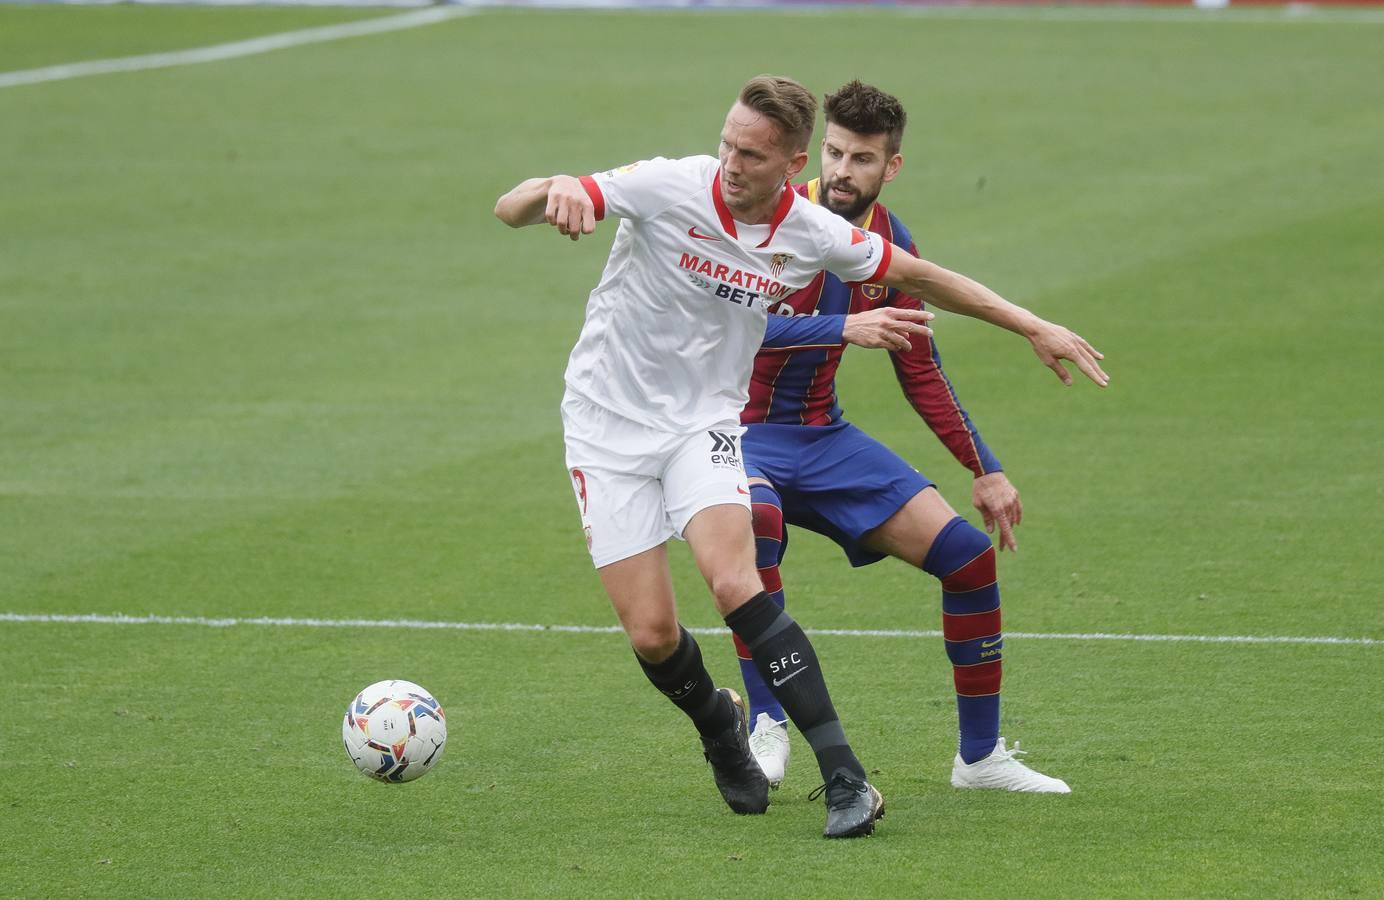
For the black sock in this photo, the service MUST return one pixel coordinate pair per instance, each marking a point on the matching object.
(786, 660)
(683, 679)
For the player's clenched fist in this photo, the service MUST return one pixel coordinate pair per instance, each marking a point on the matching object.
(569, 208)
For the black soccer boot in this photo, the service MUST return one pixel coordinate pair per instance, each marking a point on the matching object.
(853, 806)
(741, 781)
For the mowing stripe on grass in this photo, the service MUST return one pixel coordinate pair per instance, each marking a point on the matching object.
(417, 624)
(232, 50)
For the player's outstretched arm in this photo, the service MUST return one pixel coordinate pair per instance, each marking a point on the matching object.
(561, 201)
(956, 293)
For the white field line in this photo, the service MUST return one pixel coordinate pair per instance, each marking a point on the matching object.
(1228, 12)
(1235, 14)
(416, 624)
(232, 50)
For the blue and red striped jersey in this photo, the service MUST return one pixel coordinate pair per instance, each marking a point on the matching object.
(794, 378)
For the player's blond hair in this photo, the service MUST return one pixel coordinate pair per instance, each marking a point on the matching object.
(786, 103)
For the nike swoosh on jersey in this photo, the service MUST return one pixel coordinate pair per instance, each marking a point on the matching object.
(692, 232)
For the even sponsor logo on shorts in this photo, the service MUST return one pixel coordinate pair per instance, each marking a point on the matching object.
(725, 453)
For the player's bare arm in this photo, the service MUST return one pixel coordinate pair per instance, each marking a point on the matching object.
(560, 200)
(886, 328)
(956, 293)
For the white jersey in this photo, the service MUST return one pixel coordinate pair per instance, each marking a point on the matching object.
(673, 326)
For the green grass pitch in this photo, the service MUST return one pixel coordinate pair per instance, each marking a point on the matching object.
(265, 352)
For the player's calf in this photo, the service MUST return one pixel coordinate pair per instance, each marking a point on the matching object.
(766, 511)
(787, 661)
(720, 719)
(683, 679)
(963, 559)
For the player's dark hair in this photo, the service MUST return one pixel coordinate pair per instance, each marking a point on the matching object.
(784, 102)
(865, 109)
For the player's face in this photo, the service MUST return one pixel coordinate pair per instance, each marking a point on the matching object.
(854, 169)
(755, 164)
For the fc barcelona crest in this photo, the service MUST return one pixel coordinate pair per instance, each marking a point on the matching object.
(777, 262)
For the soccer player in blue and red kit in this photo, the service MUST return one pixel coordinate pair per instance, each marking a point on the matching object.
(809, 467)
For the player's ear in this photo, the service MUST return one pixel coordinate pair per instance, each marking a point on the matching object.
(797, 164)
(891, 168)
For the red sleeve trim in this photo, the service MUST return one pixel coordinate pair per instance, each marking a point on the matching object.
(593, 190)
(883, 262)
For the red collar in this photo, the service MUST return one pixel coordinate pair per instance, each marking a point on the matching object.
(728, 222)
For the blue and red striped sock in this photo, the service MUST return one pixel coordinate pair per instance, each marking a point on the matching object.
(963, 559)
(767, 510)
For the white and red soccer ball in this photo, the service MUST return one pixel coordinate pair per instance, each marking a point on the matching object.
(394, 731)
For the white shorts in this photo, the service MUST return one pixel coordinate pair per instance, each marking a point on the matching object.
(636, 486)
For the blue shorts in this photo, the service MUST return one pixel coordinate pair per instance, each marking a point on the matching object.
(835, 480)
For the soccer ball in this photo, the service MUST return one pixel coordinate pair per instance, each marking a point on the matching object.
(394, 731)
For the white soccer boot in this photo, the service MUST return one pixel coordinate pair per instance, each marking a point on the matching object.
(1002, 771)
(769, 745)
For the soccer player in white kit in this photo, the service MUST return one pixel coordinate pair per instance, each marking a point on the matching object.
(655, 386)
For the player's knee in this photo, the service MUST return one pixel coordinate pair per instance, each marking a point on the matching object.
(763, 492)
(961, 546)
(732, 587)
(970, 541)
(653, 641)
(766, 510)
